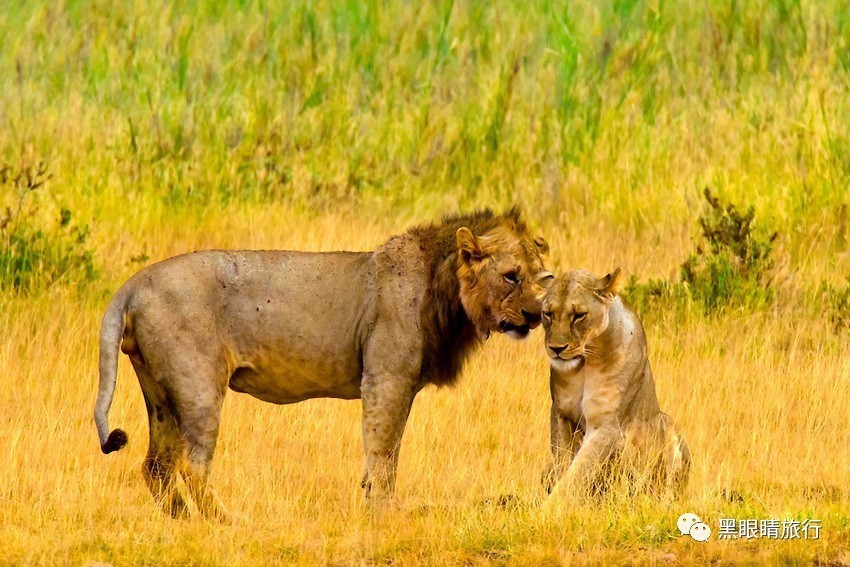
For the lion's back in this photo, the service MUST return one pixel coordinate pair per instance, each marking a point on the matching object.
(231, 289)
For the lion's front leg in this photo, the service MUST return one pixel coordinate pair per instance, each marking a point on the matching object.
(392, 362)
(386, 405)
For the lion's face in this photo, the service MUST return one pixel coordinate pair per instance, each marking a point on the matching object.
(575, 311)
(500, 274)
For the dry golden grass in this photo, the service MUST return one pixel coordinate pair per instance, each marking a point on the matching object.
(761, 398)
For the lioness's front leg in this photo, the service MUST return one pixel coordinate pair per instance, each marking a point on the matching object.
(565, 440)
(596, 448)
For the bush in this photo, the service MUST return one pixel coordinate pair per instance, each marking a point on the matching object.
(732, 265)
(838, 301)
(34, 256)
(645, 297)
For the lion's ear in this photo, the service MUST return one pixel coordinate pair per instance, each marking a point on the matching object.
(612, 284)
(468, 245)
(542, 245)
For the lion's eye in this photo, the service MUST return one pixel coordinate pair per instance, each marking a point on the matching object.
(511, 278)
(547, 314)
(579, 316)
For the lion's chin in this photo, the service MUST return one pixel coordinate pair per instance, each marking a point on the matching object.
(516, 332)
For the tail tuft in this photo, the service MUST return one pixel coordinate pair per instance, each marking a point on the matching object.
(117, 439)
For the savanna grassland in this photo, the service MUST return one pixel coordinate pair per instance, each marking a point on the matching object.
(130, 132)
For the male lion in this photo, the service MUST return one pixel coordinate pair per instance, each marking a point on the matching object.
(603, 395)
(288, 326)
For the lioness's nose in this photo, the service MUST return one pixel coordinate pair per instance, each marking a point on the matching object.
(557, 349)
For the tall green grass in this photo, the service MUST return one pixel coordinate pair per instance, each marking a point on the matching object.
(379, 105)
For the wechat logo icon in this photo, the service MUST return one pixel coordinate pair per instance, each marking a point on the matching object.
(691, 525)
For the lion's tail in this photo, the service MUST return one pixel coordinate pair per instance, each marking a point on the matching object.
(111, 333)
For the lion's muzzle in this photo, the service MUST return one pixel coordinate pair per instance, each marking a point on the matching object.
(513, 330)
(520, 327)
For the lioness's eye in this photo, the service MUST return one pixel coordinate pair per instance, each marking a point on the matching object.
(511, 277)
(579, 316)
(547, 314)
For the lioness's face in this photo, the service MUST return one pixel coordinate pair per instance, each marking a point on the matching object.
(575, 311)
(500, 274)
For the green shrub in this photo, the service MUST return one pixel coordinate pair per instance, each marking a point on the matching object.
(646, 297)
(837, 299)
(732, 265)
(34, 256)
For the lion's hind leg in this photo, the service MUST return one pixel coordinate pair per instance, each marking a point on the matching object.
(160, 466)
(197, 400)
(184, 408)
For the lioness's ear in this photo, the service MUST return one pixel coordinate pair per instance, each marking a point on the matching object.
(612, 284)
(544, 279)
(542, 245)
(468, 246)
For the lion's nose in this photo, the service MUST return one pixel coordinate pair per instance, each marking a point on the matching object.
(532, 317)
(557, 349)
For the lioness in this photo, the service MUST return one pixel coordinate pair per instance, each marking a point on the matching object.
(603, 395)
(288, 326)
